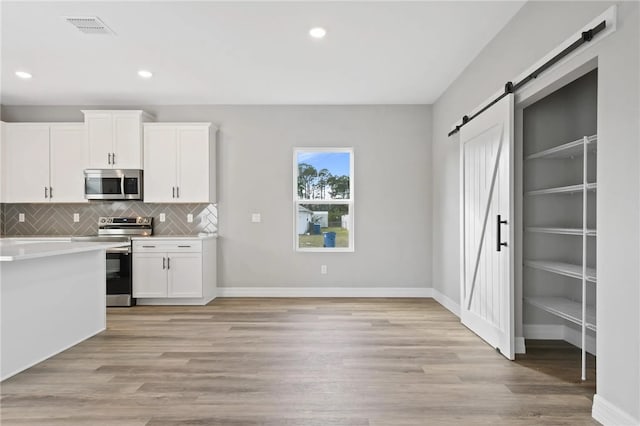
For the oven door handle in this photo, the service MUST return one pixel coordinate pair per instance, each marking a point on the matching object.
(126, 250)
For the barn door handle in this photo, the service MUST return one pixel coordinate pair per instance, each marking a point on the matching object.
(499, 243)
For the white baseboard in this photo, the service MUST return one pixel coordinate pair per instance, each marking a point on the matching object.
(608, 414)
(559, 332)
(574, 337)
(447, 302)
(520, 346)
(543, 331)
(420, 292)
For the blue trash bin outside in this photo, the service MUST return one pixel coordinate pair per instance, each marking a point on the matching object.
(329, 239)
(316, 229)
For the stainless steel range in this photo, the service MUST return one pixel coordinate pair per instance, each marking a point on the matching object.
(119, 259)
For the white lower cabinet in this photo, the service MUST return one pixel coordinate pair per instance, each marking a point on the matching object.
(185, 274)
(149, 275)
(174, 272)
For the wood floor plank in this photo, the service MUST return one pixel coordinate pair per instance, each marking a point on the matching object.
(297, 362)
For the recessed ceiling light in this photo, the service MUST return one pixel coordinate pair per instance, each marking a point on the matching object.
(145, 74)
(23, 74)
(317, 32)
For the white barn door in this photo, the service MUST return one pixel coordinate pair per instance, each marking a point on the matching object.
(486, 293)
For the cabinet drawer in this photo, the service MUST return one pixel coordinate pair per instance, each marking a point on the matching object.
(175, 246)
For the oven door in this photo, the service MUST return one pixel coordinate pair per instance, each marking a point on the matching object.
(119, 284)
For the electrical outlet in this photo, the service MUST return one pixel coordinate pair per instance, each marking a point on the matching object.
(256, 218)
(323, 269)
(76, 217)
(20, 217)
(163, 217)
(190, 218)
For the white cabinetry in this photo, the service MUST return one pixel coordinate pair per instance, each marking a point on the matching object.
(185, 274)
(115, 138)
(179, 162)
(149, 275)
(67, 160)
(43, 162)
(174, 271)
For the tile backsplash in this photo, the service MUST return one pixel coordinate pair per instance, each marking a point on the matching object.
(57, 219)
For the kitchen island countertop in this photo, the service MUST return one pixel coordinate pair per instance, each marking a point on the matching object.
(16, 250)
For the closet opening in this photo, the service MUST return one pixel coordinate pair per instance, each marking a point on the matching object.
(558, 168)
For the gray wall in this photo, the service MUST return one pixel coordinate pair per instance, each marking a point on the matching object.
(255, 147)
(533, 32)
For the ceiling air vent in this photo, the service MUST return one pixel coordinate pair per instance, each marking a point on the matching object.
(89, 24)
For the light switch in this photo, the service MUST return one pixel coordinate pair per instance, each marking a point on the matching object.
(189, 218)
(76, 217)
(256, 218)
(163, 217)
(20, 217)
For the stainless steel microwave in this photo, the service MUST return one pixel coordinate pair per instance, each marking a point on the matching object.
(113, 184)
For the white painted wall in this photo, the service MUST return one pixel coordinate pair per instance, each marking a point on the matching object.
(304, 217)
(534, 31)
(255, 147)
(323, 218)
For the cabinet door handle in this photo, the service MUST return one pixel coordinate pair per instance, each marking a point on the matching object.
(173, 192)
(177, 192)
(163, 262)
(499, 243)
(50, 192)
(109, 158)
(183, 246)
(46, 192)
(149, 246)
(113, 158)
(168, 262)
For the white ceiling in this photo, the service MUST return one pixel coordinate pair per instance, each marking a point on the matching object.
(243, 52)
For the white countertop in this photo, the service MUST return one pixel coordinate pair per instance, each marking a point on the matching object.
(14, 250)
(177, 237)
(35, 239)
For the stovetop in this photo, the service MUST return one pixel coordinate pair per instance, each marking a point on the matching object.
(103, 238)
(120, 229)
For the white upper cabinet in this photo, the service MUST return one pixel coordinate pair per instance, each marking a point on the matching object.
(159, 163)
(195, 177)
(100, 138)
(115, 138)
(179, 163)
(43, 162)
(26, 162)
(67, 160)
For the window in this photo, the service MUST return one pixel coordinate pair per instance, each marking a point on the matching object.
(323, 199)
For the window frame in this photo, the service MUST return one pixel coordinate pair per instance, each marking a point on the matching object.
(297, 201)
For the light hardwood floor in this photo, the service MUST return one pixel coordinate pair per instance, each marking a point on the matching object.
(297, 362)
